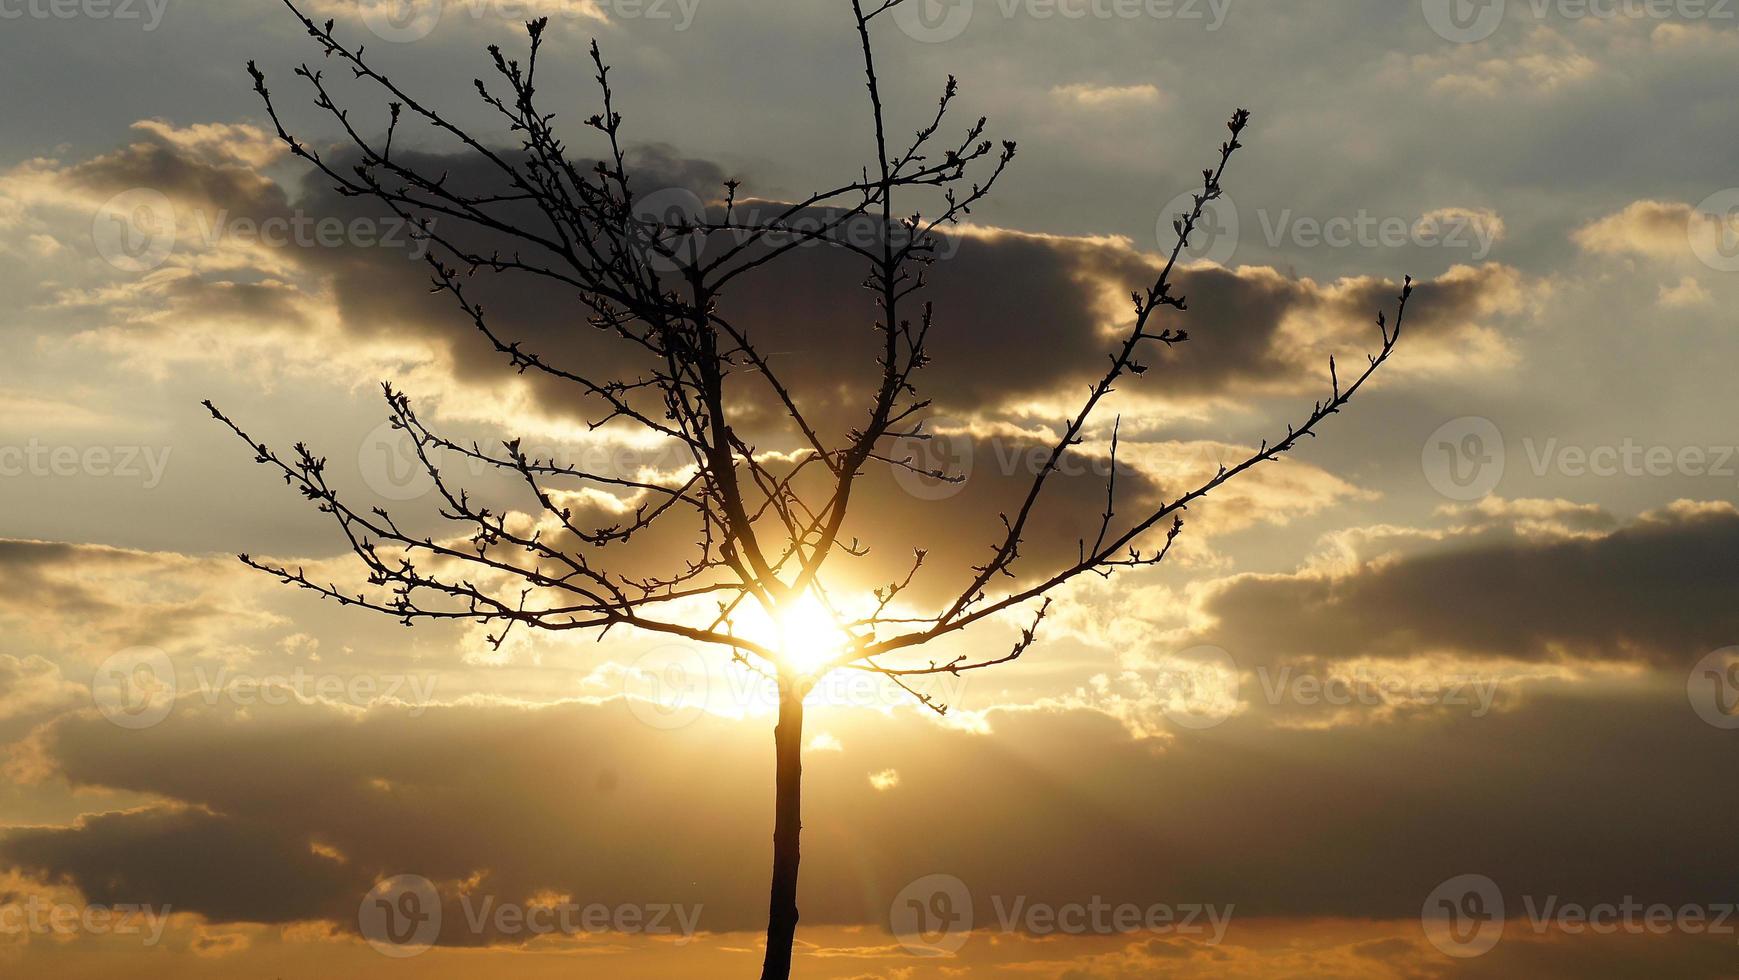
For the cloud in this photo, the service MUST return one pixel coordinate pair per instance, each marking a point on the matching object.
(218, 144)
(1044, 308)
(1677, 37)
(1651, 593)
(1526, 517)
(73, 599)
(352, 309)
(1107, 96)
(569, 799)
(1539, 64)
(1648, 229)
(32, 690)
(1485, 224)
(1688, 294)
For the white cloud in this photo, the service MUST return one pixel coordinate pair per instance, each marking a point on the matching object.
(1107, 96)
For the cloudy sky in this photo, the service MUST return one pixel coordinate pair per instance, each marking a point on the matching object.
(1471, 652)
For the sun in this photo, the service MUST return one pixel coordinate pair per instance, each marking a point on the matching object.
(804, 634)
(808, 634)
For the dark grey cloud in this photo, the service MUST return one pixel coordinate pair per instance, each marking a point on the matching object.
(54, 586)
(1658, 591)
(1022, 317)
(1019, 317)
(1059, 807)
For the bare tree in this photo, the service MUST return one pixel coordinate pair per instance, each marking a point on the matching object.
(765, 534)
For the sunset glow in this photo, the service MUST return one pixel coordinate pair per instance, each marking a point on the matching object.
(869, 489)
(805, 633)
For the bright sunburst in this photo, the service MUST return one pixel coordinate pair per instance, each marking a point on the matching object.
(805, 634)
(808, 634)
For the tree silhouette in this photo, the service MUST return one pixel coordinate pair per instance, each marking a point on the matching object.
(769, 522)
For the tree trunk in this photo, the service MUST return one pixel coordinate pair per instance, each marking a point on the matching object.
(787, 824)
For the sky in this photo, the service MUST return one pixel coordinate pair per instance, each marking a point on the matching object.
(1450, 691)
